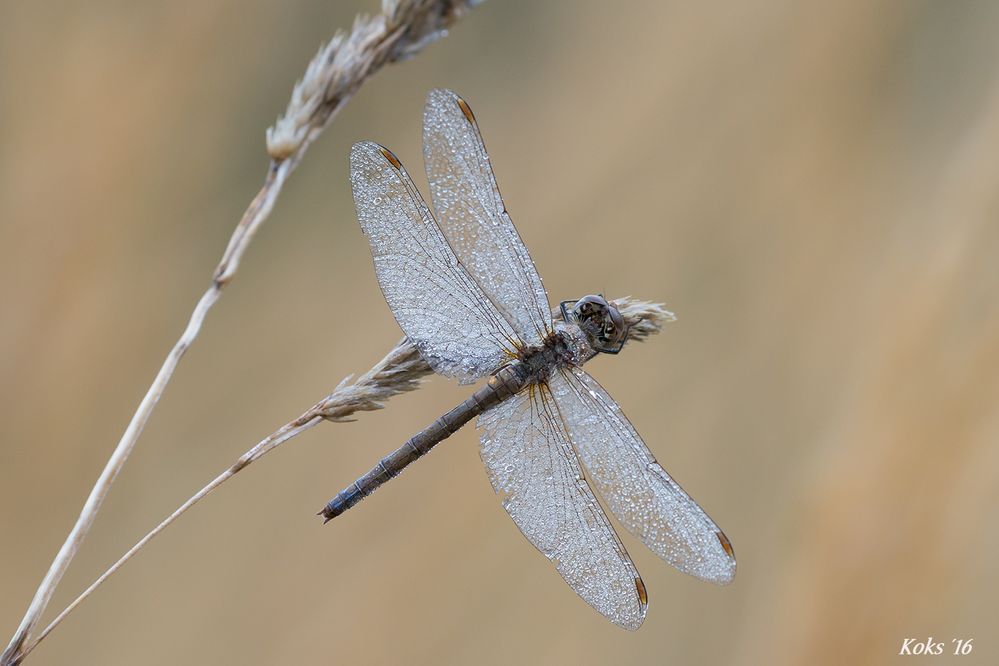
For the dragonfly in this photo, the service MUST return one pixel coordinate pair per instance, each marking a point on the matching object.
(466, 293)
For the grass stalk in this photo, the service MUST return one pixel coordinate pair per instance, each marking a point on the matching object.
(399, 31)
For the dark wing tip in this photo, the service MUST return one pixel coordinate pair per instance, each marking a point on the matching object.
(390, 156)
(726, 544)
(465, 109)
(730, 552)
(635, 622)
(442, 96)
(371, 150)
(643, 596)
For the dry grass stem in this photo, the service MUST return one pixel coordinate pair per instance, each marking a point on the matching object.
(337, 71)
(400, 371)
(401, 29)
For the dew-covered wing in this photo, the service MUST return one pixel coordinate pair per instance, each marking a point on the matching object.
(649, 503)
(531, 463)
(472, 215)
(437, 303)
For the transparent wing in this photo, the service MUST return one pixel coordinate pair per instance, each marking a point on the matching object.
(529, 459)
(650, 504)
(437, 303)
(474, 219)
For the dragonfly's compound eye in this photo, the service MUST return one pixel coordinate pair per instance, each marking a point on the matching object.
(615, 330)
(601, 322)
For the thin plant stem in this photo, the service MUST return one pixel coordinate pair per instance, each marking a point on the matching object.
(255, 214)
(402, 29)
(281, 435)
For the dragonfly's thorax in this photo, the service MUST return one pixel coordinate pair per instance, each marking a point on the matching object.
(573, 343)
(566, 345)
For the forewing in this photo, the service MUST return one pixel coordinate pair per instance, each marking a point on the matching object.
(474, 219)
(530, 461)
(649, 503)
(437, 303)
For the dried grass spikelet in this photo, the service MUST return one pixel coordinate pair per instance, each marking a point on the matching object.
(400, 371)
(401, 29)
(644, 318)
(403, 369)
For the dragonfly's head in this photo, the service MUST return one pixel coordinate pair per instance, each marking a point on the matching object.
(600, 321)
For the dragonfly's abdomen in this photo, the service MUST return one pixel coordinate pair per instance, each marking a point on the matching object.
(501, 386)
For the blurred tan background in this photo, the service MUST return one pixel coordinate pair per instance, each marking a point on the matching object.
(813, 189)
